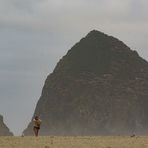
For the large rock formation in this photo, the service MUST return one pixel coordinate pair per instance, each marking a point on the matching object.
(4, 131)
(99, 87)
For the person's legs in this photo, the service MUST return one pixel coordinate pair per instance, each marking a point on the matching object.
(35, 131)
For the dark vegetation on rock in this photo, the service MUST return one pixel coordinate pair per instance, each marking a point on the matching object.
(100, 87)
(4, 131)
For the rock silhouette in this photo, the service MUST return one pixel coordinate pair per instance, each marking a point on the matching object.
(4, 131)
(100, 87)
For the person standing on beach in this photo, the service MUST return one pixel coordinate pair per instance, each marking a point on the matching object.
(37, 122)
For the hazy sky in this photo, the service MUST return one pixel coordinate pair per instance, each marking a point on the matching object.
(35, 34)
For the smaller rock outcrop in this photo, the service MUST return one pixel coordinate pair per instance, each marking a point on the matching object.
(4, 130)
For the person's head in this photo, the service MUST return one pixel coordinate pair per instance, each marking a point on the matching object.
(36, 117)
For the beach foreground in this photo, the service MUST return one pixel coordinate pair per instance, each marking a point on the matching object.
(74, 142)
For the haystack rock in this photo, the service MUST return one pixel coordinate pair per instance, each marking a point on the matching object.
(100, 87)
(4, 131)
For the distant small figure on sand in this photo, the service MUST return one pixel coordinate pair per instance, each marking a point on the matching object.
(133, 135)
(37, 122)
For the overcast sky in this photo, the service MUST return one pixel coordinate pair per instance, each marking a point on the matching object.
(35, 34)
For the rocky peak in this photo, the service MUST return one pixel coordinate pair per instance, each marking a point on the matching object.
(98, 53)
